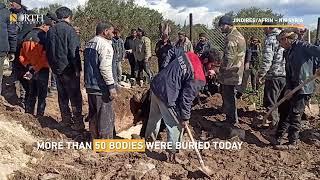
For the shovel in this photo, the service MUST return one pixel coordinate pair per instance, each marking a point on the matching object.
(205, 169)
(288, 96)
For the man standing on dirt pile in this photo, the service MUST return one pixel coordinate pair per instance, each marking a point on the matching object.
(8, 38)
(173, 91)
(119, 54)
(99, 81)
(64, 59)
(18, 70)
(129, 45)
(273, 71)
(184, 42)
(142, 53)
(303, 60)
(232, 67)
(33, 56)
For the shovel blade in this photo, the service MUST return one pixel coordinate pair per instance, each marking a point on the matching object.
(206, 170)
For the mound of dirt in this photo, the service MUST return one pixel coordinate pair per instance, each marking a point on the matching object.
(13, 139)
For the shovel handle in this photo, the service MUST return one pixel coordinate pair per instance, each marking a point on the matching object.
(190, 135)
(195, 148)
(289, 95)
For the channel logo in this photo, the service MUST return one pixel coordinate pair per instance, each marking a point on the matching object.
(26, 18)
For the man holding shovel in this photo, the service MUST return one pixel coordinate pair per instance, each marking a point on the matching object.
(173, 91)
(303, 61)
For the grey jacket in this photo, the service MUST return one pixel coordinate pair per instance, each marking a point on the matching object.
(273, 64)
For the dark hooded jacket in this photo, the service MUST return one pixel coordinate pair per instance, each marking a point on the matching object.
(8, 35)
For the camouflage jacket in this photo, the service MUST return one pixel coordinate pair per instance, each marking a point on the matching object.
(187, 45)
(273, 64)
(142, 48)
(232, 66)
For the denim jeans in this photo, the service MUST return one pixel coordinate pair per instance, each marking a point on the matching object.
(158, 111)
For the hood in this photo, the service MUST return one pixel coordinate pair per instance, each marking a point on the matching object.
(275, 32)
(2, 6)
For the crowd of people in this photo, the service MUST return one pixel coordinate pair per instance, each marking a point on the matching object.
(51, 50)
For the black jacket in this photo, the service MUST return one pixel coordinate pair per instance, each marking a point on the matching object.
(8, 35)
(162, 52)
(21, 28)
(63, 49)
(303, 59)
(129, 43)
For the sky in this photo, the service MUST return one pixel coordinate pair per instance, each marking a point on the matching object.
(204, 11)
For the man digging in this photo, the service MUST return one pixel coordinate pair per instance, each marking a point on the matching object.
(173, 91)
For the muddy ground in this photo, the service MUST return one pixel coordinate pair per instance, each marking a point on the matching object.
(257, 159)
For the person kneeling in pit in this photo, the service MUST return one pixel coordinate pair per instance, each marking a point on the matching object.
(173, 91)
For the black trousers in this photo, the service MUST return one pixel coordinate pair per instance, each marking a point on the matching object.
(272, 91)
(68, 86)
(144, 66)
(101, 116)
(38, 86)
(292, 123)
(133, 65)
(228, 93)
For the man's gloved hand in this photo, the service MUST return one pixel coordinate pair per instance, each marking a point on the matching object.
(113, 93)
(28, 75)
(11, 57)
(184, 123)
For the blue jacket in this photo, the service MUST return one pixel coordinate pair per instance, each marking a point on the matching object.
(8, 34)
(179, 83)
(98, 57)
(302, 61)
(172, 54)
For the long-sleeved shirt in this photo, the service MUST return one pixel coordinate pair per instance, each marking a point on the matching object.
(302, 61)
(273, 63)
(142, 48)
(98, 57)
(186, 45)
(118, 48)
(232, 66)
